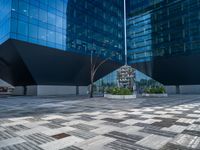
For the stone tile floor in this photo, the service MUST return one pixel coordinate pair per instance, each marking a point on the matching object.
(79, 123)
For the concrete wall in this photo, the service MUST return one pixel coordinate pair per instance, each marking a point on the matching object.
(83, 90)
(170, 89)
(190, 89)
(184, 89)
(19, 90)
(42, 90)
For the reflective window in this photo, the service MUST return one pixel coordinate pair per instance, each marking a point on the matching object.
(22, 28)
(33, 30)
(23, 7)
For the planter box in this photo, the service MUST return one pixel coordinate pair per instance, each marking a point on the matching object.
(155, 95)
(6, 90)
(119, 96)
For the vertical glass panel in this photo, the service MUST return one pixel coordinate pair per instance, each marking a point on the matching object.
(42, 15)
(42, 34)
(33, 30)
(14, 5)
(59, 21)
(22, 28)
(51, 18)
(58, 38)
(23, 8)
(51, 36)
(14, 25)
(33, 12)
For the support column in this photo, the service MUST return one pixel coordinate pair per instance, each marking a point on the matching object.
(25, 90)
(77, 90)
(177, 89)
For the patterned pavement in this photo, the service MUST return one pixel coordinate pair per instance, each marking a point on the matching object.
(79, 123)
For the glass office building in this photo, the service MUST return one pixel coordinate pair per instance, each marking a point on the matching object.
(78, 26)
(164, 39)
(53, 40)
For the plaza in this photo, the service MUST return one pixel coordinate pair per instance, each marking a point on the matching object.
(79, 123)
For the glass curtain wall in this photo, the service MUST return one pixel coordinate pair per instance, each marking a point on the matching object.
(167, 28)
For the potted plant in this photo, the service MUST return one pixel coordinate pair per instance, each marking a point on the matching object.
(157, 91)
(119, 93)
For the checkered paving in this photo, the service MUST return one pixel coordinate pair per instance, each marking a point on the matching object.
(54, 123)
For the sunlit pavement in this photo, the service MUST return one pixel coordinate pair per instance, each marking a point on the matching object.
(79, 123)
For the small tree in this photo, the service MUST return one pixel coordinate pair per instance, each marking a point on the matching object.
(94, 69)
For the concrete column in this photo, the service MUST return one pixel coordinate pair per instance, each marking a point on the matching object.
(177, 89)
(25, 89)
(77, 90)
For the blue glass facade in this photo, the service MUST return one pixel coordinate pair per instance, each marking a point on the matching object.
(96, 26)
(139, 39)
(69, 25)
(5, 18)
(41, 37)
(164, 39)
(158, 28)
(40, 22)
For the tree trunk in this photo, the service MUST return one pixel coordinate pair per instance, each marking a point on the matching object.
(91, 90)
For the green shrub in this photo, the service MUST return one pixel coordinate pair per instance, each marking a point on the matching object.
(155, 90)
(118, 91)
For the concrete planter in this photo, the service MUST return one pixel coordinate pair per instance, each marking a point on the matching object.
(155, 95)
(6, 90)
(119, 96)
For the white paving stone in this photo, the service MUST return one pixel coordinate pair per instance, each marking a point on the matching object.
(187, 141)
(35, 124)
(96, 143)
(50, 117)
(62, 143)
(19, 118)
(194, 115)
(186, 120)
(14, 123)
(194, 127)
(37, 129)
(11, 141)
(105, 129)
(175, 128)
(154, 141)
(131, 129)
(150, 121)
(51, 132)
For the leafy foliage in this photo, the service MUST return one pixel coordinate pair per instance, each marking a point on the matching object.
(119, 91)
(155, 90)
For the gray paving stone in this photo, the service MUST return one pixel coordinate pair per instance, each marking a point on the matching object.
(124, 145)
(82, 134)
(22, 146)
(113, 120)
(38, 138)
(84, 127)
(6, 134)
(124, 137)
(52, 125)
(120, 125)
(71, 148)
(170, 146)
(18, 127)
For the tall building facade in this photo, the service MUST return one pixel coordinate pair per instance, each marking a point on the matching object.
(164, 39)
(51, 42)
